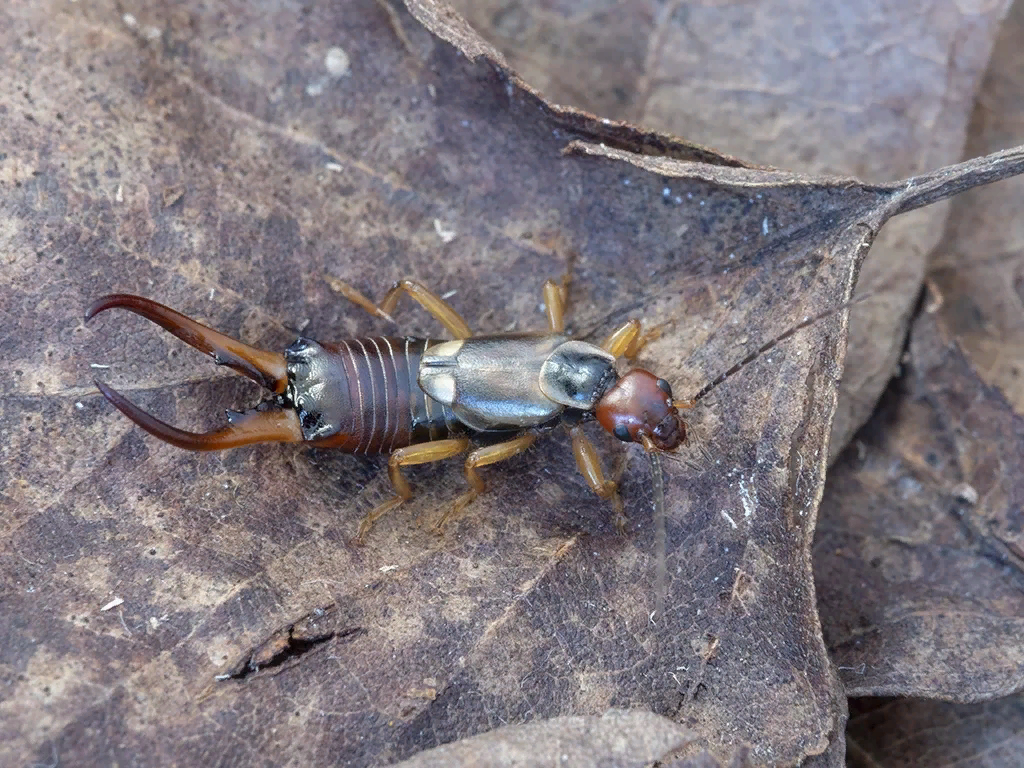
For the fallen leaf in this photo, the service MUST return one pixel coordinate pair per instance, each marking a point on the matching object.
(615, 738)
(530, 607)
(918, 556)
(908, 732)
(977, 273)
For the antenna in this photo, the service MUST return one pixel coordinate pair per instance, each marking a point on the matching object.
(658, 487)
(707, 388)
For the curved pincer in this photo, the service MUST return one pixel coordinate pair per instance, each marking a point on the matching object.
(265, 368)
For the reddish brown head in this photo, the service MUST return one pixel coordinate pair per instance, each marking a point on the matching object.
(640, 406)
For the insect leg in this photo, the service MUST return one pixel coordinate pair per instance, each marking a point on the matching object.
(424, 453)
(434, 304)
(350, 293)
(554, 305)
(589, 466)
(556, 296)
(627, 341)
(622, 339)
(430, 301)
(481, 457)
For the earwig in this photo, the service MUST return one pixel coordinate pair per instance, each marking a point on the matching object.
(421, 400)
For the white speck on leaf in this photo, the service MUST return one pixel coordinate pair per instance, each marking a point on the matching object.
(336, 61)
(748, 499)
(444, 231)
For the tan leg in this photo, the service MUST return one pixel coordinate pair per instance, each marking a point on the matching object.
(434, 304)
(350, 293)
(627, 341)
(556, 296)
(423, 453)
(589, 466)
(430, 301)
(622, 338)
(481, 457)
(554, 303)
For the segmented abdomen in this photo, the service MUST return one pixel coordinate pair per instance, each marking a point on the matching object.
(367, 397)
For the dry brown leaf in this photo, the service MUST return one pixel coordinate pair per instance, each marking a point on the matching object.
(225, 165)
(978, 269)
(918, 558)
(615, 738)
(908, 732)
(919, 552)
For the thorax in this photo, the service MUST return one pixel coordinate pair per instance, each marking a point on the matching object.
(515, 381)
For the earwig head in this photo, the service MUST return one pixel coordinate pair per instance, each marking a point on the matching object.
(639, 409)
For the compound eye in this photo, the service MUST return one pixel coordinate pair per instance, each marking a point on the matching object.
(622, 433)
(665, 387)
